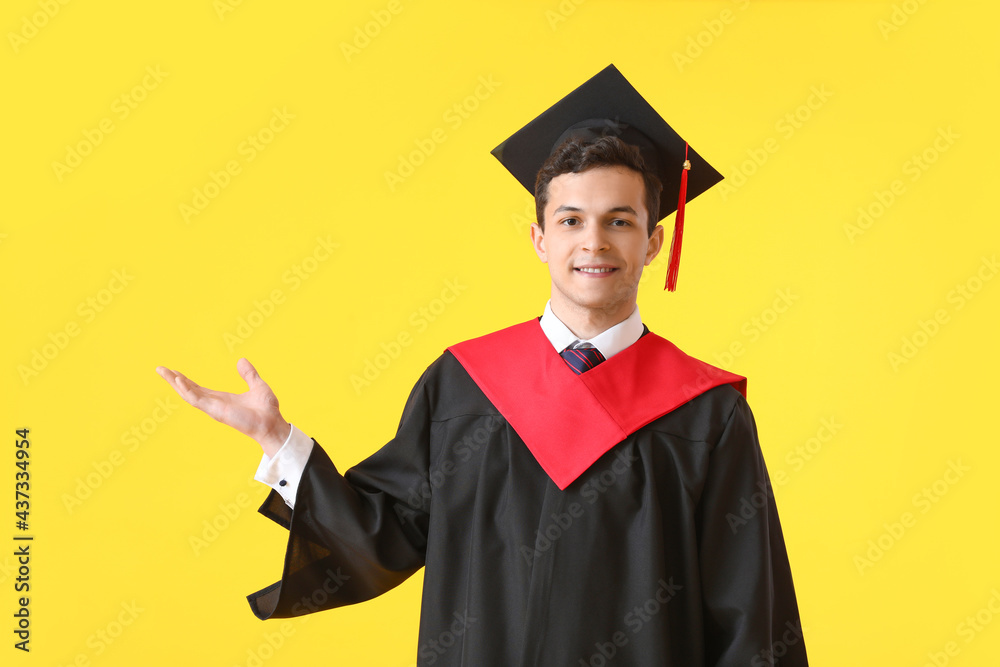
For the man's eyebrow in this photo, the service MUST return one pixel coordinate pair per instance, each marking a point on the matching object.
(624, 208)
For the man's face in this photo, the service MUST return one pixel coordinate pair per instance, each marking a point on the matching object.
(595, 241)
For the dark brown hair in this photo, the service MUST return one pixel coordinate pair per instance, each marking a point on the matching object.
(574, 156)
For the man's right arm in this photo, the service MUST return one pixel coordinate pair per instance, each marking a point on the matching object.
(351, 536)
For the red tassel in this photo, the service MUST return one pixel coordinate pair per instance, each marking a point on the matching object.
(675, 244)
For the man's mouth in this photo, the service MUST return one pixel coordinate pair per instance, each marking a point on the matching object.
(595, 269)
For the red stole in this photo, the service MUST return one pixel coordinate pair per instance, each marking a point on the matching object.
(568, 421)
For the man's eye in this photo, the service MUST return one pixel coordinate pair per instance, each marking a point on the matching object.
(570, 221)
(619, 222)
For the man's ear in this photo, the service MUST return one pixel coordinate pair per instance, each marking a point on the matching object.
(538, 241)
(655, 244)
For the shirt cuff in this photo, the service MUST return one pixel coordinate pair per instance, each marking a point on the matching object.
(284, 472)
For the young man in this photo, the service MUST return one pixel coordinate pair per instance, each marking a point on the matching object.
(575, 486)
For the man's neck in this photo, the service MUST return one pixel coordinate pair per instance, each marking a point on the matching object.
(585, 323)
(609, 342)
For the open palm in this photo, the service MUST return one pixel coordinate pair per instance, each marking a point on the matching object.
(254, 412)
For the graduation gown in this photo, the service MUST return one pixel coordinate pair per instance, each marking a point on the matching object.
(619, 517)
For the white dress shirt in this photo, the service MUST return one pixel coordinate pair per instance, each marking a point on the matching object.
(284, 471)
(609, 342)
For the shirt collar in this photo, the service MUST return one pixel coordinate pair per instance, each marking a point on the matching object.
(609, 342)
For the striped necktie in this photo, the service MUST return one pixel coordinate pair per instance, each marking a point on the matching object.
(582, 358)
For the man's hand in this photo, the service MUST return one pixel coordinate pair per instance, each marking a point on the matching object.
(254, 413)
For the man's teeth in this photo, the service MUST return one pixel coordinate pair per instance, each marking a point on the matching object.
(589, 270)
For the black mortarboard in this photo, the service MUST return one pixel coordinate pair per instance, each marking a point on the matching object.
(608, 104)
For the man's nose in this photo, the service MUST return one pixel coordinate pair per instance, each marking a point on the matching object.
(595, 238)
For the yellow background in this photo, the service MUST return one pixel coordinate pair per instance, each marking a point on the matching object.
(812, 110)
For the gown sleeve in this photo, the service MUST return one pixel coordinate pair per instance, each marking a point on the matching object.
(750, 613)
(357, 535)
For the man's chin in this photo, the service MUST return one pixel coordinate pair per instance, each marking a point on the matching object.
(601, 302)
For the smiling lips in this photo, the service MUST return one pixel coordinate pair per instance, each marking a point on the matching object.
(595, 270)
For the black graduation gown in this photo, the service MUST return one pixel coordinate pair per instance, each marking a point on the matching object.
(666, 551)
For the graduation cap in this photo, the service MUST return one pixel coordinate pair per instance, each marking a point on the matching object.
(607, 104)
